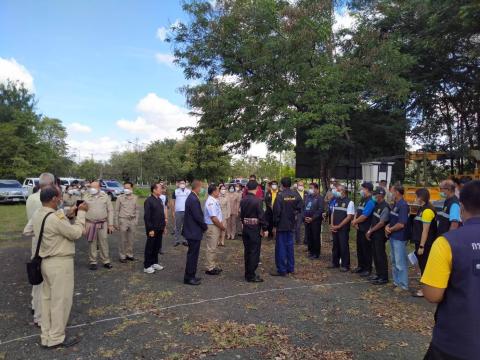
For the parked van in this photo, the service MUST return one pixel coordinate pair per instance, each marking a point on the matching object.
(29, 184)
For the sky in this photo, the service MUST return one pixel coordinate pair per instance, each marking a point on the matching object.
(102, 68)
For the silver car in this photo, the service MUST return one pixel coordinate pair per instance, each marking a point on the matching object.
(11, 191)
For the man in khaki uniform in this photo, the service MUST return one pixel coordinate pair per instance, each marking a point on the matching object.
(32, 205)
(126, 220)
(99, 224)
(213, 219)
(57, 249)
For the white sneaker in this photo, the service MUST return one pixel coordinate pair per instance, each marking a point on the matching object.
(149, 270)
(157, 267)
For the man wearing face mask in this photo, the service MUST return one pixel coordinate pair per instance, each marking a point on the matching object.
(270, 202)
(126, 220)
(213, 219)
(98, 225)
(449, 217)
(300, 189)
(312, 216)
(342, 215)
(361, 222)
(57, 249)
(179, 198)
(70, 196)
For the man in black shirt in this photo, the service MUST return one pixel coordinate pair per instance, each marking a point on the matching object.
(154, 217)
(253, 220)
(312, 217)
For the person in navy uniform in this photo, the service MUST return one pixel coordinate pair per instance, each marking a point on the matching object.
(452, 280)
(361, 222)
(254, 226)
(193, 228)
(287, 207)
(312, 217)
(376, 235)
(342, 215)
(449, 217)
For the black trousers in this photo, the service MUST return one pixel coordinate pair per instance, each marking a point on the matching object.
(434, 353)
(269, 218)
(312, 235)
(192, 259)
(152, 246)
(422, 259)
(252, 243)
(380, 258)
(364, 251)
(341, 247)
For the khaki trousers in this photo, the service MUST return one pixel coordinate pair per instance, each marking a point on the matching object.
(127, 235)
(221, 238)
(232, 226)
(36, 293)
(211, 238)
(101, 242)
(57, 294)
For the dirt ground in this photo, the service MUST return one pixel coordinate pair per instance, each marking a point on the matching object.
(125, 314)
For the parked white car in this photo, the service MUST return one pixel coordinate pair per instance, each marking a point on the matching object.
(64, 182)
(29, 184)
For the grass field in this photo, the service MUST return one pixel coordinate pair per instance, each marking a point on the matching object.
(13, 220)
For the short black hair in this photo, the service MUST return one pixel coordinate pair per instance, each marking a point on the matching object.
(315, 185)
(399, 188)
(211, 188)
(128, 182)
(154, 185)
(469, 197)
(48, 193)
(286, 182)
(253, 176)
(252, 185)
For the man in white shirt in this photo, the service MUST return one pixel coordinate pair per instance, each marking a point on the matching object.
(213, 219)
(178, 211)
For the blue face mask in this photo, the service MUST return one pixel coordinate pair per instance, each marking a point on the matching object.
(336, 193)
(374, 198)
(443, 195)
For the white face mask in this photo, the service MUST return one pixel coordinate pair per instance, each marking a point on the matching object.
(300, 188)
(223, 191)
(232, 190)
(71, 192)
(310, 191)
(182, 186)
(127, 191)
(274, 187)
(93, 191)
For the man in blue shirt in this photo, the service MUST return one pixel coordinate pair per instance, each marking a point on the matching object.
(395, 231)
(361, 222)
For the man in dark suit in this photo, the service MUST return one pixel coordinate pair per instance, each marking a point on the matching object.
(193, 228)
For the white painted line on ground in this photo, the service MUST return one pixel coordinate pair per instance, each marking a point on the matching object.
(192, 303)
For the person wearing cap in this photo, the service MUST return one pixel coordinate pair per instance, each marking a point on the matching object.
(362, 221)
(254, 225)
(342, 215)
(376, 235)
(451, 280)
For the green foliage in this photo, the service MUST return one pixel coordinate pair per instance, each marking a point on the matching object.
(31, 143)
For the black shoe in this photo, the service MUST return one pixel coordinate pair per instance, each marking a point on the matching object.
(276, 273)
(185, 243)
(176, 244)
(161, 252)
(380, 282)
(373, 278)
(195, 281)
(123, 261)
(344, 269)
(213, 272)
(217, 269)
(331, 266)
(129, 258)
(68, 342)
(92, 266)
(107, 266)
(256, 279)
(365, 273)
(357, 270)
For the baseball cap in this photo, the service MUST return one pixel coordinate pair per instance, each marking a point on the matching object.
(379, 191)
(367, 185)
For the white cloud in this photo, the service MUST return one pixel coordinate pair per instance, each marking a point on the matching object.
(166, 59)
(343, 20)
(98, 148)
(11, 70)
(158, 118)
(162, 33)
(78, 128)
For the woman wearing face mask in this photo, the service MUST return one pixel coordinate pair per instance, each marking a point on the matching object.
(424, 230)
(234, 198)
(225, 206)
